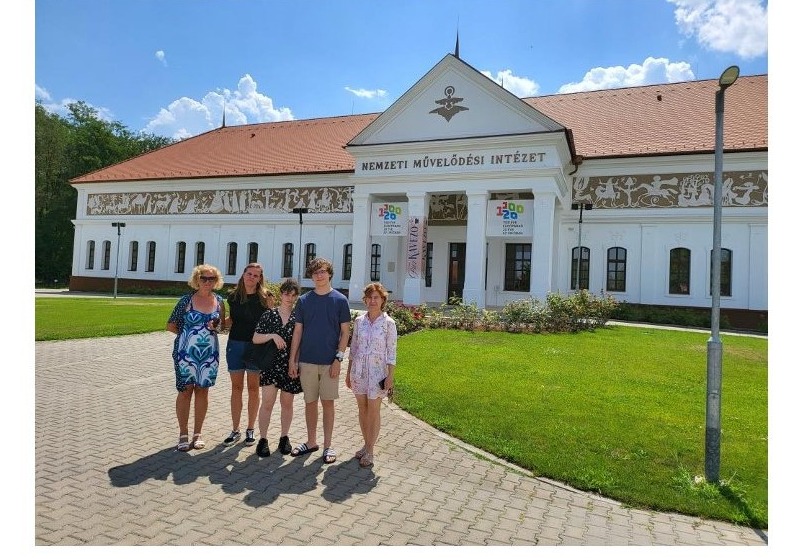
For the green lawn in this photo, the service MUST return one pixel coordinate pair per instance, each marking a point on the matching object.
(619, 411)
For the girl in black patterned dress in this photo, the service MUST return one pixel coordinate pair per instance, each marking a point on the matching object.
(277, 325)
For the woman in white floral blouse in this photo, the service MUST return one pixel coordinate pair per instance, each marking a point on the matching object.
(370, 373)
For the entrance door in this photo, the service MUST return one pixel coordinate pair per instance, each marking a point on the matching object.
(457, 270)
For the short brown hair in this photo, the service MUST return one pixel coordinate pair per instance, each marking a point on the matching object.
(318, 264)
(376, 286)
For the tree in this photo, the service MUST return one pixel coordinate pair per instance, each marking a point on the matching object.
(67, 148)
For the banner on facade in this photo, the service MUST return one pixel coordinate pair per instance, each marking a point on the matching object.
(390, 219)
(509, 218)
(417, 247)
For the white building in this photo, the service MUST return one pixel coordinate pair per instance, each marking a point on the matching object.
(458, 189)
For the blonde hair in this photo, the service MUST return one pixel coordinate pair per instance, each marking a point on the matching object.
(194, 279)
(376, 286)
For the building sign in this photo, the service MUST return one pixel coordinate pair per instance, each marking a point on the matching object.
(417, 247)
(390, 219)
(479, 160)
(509, 218)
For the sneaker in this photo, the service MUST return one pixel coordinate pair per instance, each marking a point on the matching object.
(262, 449)
(284, 446)
(249, 438)
(232, 438)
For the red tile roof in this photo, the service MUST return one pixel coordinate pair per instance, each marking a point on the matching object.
(636, 121)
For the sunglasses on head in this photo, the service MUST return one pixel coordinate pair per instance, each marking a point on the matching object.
(207, 278)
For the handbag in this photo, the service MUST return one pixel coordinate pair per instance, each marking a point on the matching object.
(262, 356)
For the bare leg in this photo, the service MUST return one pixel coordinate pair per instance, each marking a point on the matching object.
(286, 412)
(182, 409)
(328, 417)
(362, 415)
(372, 423)
(253, 397)
(311, 421)
(237, 386)
(267, 403)
(200, 408)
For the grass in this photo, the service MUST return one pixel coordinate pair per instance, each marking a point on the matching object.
(619, 411)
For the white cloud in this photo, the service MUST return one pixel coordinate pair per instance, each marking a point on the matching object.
(187, 117)
(161, 55)
(520, 87)
(60, 107)
(736, 26)
(652, 71)
(367, 93)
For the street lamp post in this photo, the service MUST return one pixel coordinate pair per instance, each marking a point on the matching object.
(587, 207)
(119, 225)
(300, 212)
(714, 347)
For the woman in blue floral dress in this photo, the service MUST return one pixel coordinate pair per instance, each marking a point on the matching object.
(195, 321)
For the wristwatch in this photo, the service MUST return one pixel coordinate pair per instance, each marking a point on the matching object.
(340, 355)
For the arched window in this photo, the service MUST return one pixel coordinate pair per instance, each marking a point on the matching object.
(106, 263)
(346, 265)
(288, 260)
(252, 252)
(375, 266)
(232, 254)
(90, 255)
(199, 253)
(180, 257)
(150, 256)
(726, 273)
(310, 254)
(584, 261)
(133, 257)
(617, 269)
(680, 271)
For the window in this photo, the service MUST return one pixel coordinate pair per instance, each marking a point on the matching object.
(428, 266)
(180, 257)
(252, 252)
(133, 257)
(584, 260)
(106, 263)
(375, 267)
(90, 255)
(679, 271)
(617, 269)
(150, 256)
(517, 266)
(199, 253)
(288, 260)
(726, 273)
(347, 263)
(232, 253)
(310, 254)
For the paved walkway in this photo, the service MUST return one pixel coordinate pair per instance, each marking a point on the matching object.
(107, 474)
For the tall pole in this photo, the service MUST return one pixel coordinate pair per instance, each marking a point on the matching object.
(119, 225)
(300, 212)
(714, 346)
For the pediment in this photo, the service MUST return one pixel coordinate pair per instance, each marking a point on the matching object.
(453, 100)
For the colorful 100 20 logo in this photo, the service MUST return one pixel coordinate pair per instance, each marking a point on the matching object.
(510, 210)
(389, 212)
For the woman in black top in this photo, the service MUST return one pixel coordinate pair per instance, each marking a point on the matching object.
(247, 302)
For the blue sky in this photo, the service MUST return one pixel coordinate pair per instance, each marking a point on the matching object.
(168, 67)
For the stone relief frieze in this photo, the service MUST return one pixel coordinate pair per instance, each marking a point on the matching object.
(242, 201)
(677, 190)
(449, 209)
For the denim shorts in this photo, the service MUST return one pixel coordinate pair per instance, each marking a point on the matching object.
(234, 355)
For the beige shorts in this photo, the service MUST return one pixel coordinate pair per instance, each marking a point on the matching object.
(317, 383)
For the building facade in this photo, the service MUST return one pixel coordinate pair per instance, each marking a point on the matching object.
(459, 189)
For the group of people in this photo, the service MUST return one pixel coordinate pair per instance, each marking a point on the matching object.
(311, 333)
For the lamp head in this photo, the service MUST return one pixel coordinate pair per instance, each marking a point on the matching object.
(729, 76)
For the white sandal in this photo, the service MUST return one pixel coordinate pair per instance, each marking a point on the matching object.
(183, 443)
(197, 441)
